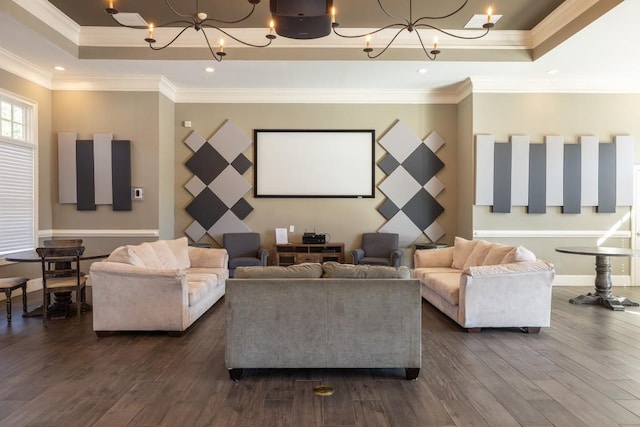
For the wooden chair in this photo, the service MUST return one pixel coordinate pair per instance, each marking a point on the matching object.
(10, 284)
(56, 280)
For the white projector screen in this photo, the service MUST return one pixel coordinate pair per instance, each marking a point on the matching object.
(314, 163)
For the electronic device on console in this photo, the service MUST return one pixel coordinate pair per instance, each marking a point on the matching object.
(313, 238)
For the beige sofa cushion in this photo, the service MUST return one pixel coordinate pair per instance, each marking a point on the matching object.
(447, 285)
(336, 270)
(308, 270)
(208, 257)
(442, 257)
(462, 248)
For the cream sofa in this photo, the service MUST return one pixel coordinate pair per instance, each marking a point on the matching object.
(158, 286)
(481, 284)
(307, 316)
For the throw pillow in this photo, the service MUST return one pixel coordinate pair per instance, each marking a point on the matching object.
(335, 270)
(433, 257)
(146, 255)
(496, 254)
(308, 270)
(462, 248)
(123, 255)
(478, 254)
(164, 255)
(180, 249)
(519, 254)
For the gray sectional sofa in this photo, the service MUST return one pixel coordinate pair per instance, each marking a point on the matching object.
(323, 316)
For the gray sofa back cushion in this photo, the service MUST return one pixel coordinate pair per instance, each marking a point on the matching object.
(308, 270)
(349, 271)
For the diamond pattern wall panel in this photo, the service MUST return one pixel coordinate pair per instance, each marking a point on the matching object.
(218, 187)
(411, 186)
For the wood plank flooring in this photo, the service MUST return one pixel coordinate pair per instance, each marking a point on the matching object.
(582, 371)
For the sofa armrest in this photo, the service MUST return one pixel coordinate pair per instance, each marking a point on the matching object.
(208, 257)
(127, 297)
(507, 295)
(263, 254)
(357, 255)
(442, 257)
(509, 269)
(395, 257)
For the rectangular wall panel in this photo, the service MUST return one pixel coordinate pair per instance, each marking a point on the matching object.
(589, 165)
(537, 178)
(85, 188)
(571, 178)
(484, 169)
(102, 168)
(502, 178)
(519, 170)
(624, 170)
(607, 178)
(121, 175)
(555, 170)
(67, 167)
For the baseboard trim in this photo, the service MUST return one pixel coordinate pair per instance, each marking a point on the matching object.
(552, 233)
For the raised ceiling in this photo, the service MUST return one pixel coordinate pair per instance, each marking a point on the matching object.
(585, 40)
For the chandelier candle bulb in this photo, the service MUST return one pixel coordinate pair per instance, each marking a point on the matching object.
(151, 30)
(489, 12)
(333, 14)
(368, 42)
(221, 50)
(271, 26)
(110, 4)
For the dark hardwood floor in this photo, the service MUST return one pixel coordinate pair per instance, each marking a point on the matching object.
(582, 371)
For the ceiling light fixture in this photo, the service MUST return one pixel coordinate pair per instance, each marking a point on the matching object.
(198, 21)
(412, 25)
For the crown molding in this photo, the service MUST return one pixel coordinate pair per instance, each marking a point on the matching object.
(25, 69)
(51, 16)
(116, 83)
(315, 96)
(586, 86)
(567, 11)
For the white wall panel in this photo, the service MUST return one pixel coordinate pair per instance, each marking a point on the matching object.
(624, 170)
(102, 168)
(519, 170)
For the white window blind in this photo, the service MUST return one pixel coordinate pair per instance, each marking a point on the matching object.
(17, 172)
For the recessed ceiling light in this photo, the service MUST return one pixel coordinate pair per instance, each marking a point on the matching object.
(209, 69)
(59, 68)
(552, 72)
(422, 70)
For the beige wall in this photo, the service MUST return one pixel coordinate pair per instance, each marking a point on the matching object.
(569, 115)
(344, 219)
(130, 116)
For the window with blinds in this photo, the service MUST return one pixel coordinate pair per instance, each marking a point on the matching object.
(17, 175)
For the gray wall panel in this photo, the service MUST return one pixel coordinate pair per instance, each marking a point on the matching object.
(607, 179)
(589, 167)
(84, 176)
(121, 175)
(571, 179)
(537, 178)
(502, 178)
(484, 169)
(555, 169)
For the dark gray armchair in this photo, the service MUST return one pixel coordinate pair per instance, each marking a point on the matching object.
(244, 250)
(378, 249)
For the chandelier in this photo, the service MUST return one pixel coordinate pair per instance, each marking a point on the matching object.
(198, 21)
(409, 24)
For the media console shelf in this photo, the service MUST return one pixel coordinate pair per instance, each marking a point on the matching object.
(296, 253)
